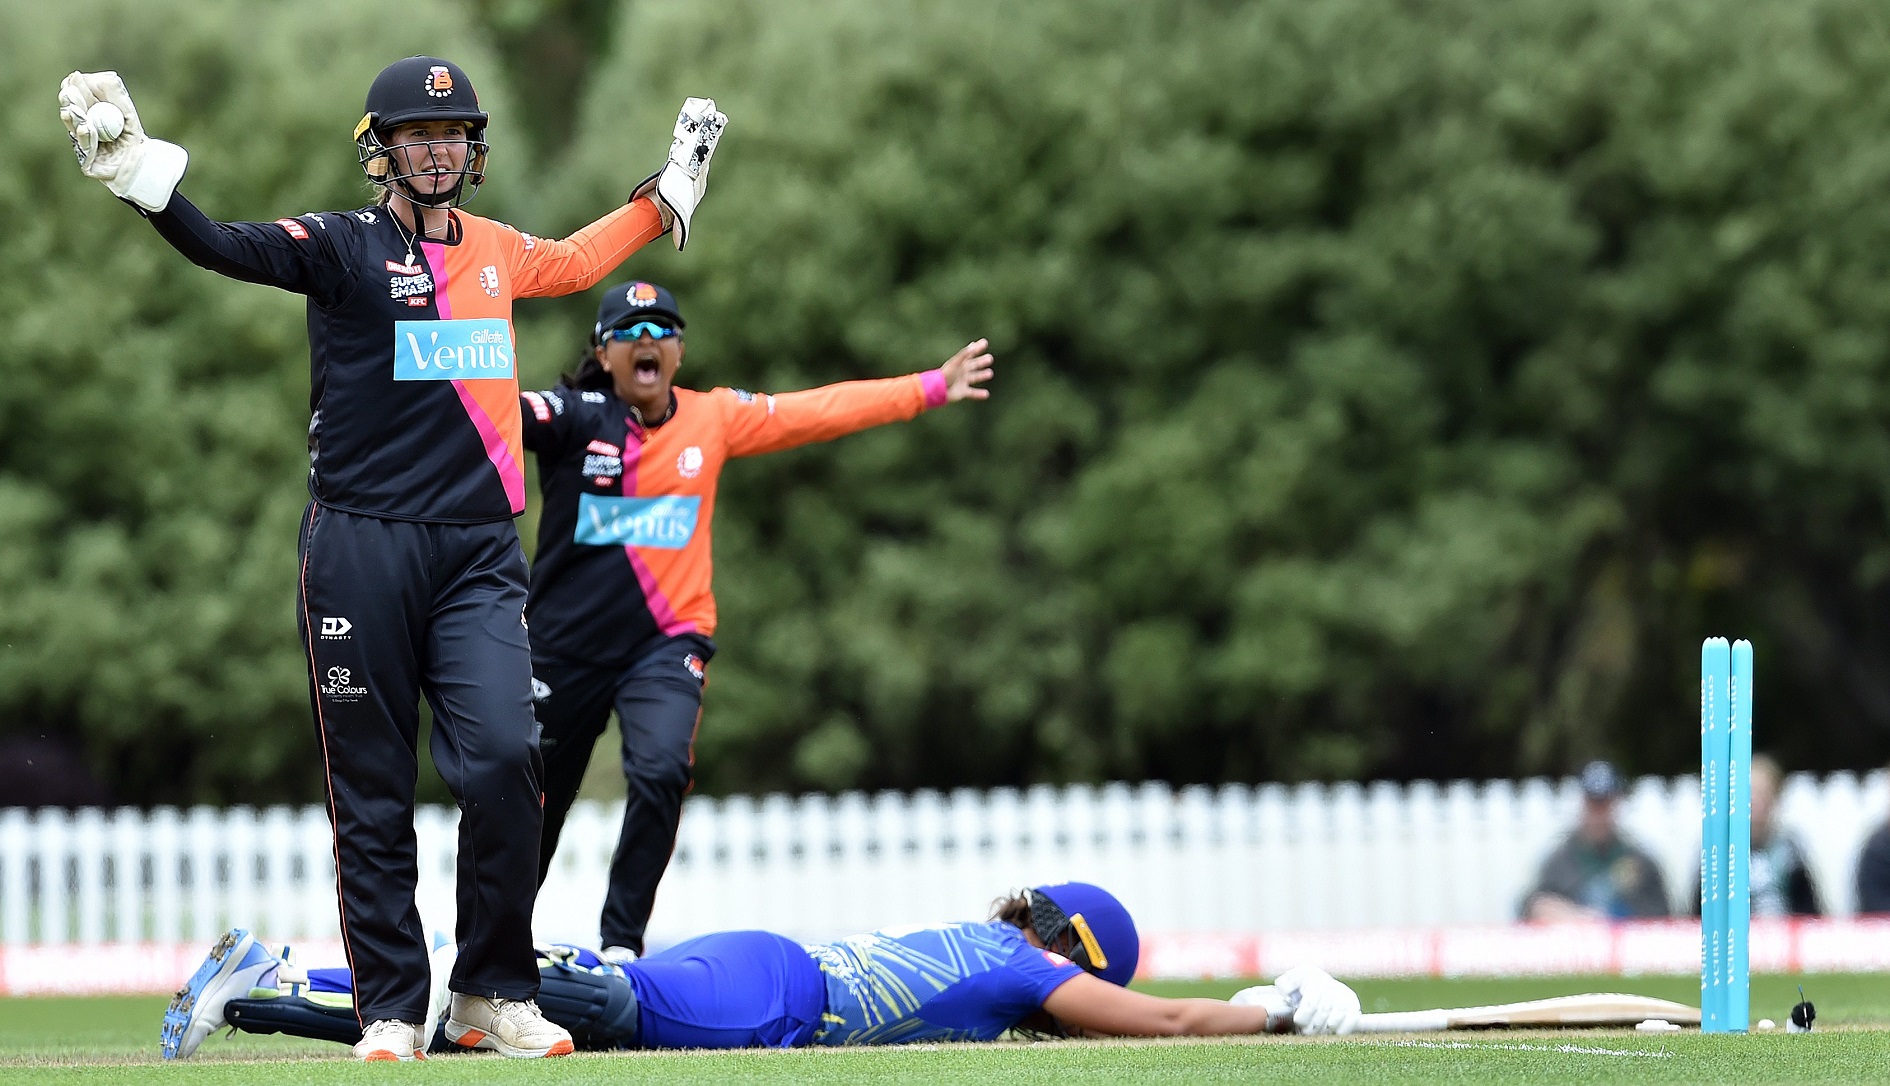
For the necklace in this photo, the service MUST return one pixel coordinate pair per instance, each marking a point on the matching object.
(410, 238)
(406, 237)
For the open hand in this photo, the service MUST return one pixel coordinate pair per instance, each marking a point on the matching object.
(966, 370)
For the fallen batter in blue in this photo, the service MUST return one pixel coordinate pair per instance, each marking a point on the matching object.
(1053, 961)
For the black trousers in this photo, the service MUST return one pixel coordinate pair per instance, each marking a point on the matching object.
(389, 611)
(658, 699)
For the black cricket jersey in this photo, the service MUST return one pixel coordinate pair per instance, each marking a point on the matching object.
(413, 389)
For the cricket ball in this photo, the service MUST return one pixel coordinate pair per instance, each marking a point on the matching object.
(106, 120)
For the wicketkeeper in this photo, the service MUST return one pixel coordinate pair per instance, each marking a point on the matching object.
(412, 581)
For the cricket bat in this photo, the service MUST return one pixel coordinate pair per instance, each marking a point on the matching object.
(1600, 1010)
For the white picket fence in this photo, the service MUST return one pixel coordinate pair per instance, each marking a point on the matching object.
(1226, 860)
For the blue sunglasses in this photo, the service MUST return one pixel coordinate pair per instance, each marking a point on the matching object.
(639, 330)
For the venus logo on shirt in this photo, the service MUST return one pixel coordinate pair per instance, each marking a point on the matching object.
(457, 350)
(665, 523)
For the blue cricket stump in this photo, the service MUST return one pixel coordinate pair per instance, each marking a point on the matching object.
(1725, 834)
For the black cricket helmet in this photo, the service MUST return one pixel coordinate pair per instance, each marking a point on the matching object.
(422, 89)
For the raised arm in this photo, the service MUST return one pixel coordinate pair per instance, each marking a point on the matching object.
(663, 203)
(109, 139)
(765, 424)
(546, 267)
(305, 255)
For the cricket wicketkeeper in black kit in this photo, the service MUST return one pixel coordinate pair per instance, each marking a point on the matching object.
(412, 581)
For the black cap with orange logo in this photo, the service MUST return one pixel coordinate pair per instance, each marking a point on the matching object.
(626, 303)
(421, 89)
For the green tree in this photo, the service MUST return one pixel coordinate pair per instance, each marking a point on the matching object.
(152, 460)
(547, 49)
(1383, 390)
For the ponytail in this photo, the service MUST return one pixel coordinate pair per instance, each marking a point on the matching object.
(588, 375)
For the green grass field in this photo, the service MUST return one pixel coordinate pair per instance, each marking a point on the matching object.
(114, 1040)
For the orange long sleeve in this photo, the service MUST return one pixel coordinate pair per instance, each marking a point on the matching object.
(760, 423)
(544, 267)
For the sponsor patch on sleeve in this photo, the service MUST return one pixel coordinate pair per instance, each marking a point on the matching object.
(293, 228)
(604, 448)
(540, 410)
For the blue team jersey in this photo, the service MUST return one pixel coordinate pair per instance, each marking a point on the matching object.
(961, 982)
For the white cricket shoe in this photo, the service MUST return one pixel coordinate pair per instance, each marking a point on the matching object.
(235, 965)
(510, 1027)
(618, 956)
(388, 1040)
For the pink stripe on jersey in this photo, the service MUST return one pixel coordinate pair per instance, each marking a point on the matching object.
(660, 609)
(511, 475)
(936, 390)
(436, 263)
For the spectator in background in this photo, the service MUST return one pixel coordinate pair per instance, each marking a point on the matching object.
(1873, 872)
(1779, 879)
(1596, 874)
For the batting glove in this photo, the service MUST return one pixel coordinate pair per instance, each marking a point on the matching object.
(134, 166)
(1279, 1010)
(678, 187)
(1320, 1003)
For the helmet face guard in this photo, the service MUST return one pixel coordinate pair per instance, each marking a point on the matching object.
(421, 89)
(1066, 934)
(379, 162)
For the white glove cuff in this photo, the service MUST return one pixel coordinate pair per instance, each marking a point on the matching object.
(160, 167)
(676, 196)
(1279, 1009)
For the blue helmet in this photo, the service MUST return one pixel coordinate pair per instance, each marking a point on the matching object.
(1087, 925)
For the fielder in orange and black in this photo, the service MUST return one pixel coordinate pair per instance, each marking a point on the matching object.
(413, 582)
(621, 609)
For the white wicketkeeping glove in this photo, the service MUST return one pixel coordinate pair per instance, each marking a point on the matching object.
(679, 185)
(134, 166)
(1320, 1003)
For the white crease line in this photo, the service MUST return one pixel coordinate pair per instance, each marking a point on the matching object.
(1577, 1050)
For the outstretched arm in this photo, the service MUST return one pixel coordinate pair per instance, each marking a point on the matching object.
(763, 424)
(1096, 1006)
(1304, 999)
(304, 254)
